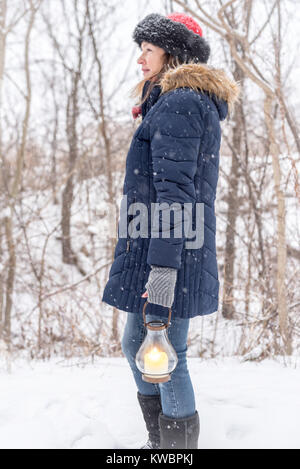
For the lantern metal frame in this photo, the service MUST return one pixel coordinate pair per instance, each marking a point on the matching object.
(149, 325)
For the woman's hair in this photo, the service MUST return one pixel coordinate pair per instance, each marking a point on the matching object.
(169, 62)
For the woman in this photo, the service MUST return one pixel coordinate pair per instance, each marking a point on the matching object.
(173, 158)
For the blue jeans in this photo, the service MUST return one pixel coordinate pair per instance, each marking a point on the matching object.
(177, 395)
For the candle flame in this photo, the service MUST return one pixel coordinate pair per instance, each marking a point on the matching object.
(154, 354)
(156, 361)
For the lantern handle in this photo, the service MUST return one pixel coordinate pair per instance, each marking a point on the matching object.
(144, 315)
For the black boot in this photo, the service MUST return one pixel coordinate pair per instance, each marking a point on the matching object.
(179, 433)
(151, 408)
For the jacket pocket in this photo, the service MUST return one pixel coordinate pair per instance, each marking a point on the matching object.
(128, 253)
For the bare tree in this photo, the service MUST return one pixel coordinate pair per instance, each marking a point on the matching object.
(15, 188)
(74, 74)
(3, 35)
(5, 29)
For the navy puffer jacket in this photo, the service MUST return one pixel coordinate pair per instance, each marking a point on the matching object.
(174, 158)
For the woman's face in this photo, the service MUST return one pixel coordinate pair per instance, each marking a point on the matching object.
(152, 59)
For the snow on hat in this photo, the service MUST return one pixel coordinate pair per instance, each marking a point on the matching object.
(178, 34)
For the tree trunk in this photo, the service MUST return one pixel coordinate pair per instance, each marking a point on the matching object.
(68, 193)
(16, 188)
(3, 9)
(232, 211)
(281, 239)
(9, 281)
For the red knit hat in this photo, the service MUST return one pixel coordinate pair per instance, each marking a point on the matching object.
(188, 21)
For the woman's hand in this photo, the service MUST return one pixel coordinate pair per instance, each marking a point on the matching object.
(161, 286)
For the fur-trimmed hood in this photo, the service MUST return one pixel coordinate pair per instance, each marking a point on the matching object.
(204, 78)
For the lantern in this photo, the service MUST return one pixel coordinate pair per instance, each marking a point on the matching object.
(156, 358)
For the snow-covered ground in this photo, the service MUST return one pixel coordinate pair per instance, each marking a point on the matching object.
(74, 405)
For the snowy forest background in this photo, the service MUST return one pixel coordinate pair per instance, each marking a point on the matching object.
(66, 71)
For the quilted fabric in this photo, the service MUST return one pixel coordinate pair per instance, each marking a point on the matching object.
(174, 157)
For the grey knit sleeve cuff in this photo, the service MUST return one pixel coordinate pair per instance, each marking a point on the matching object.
(161, 285)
